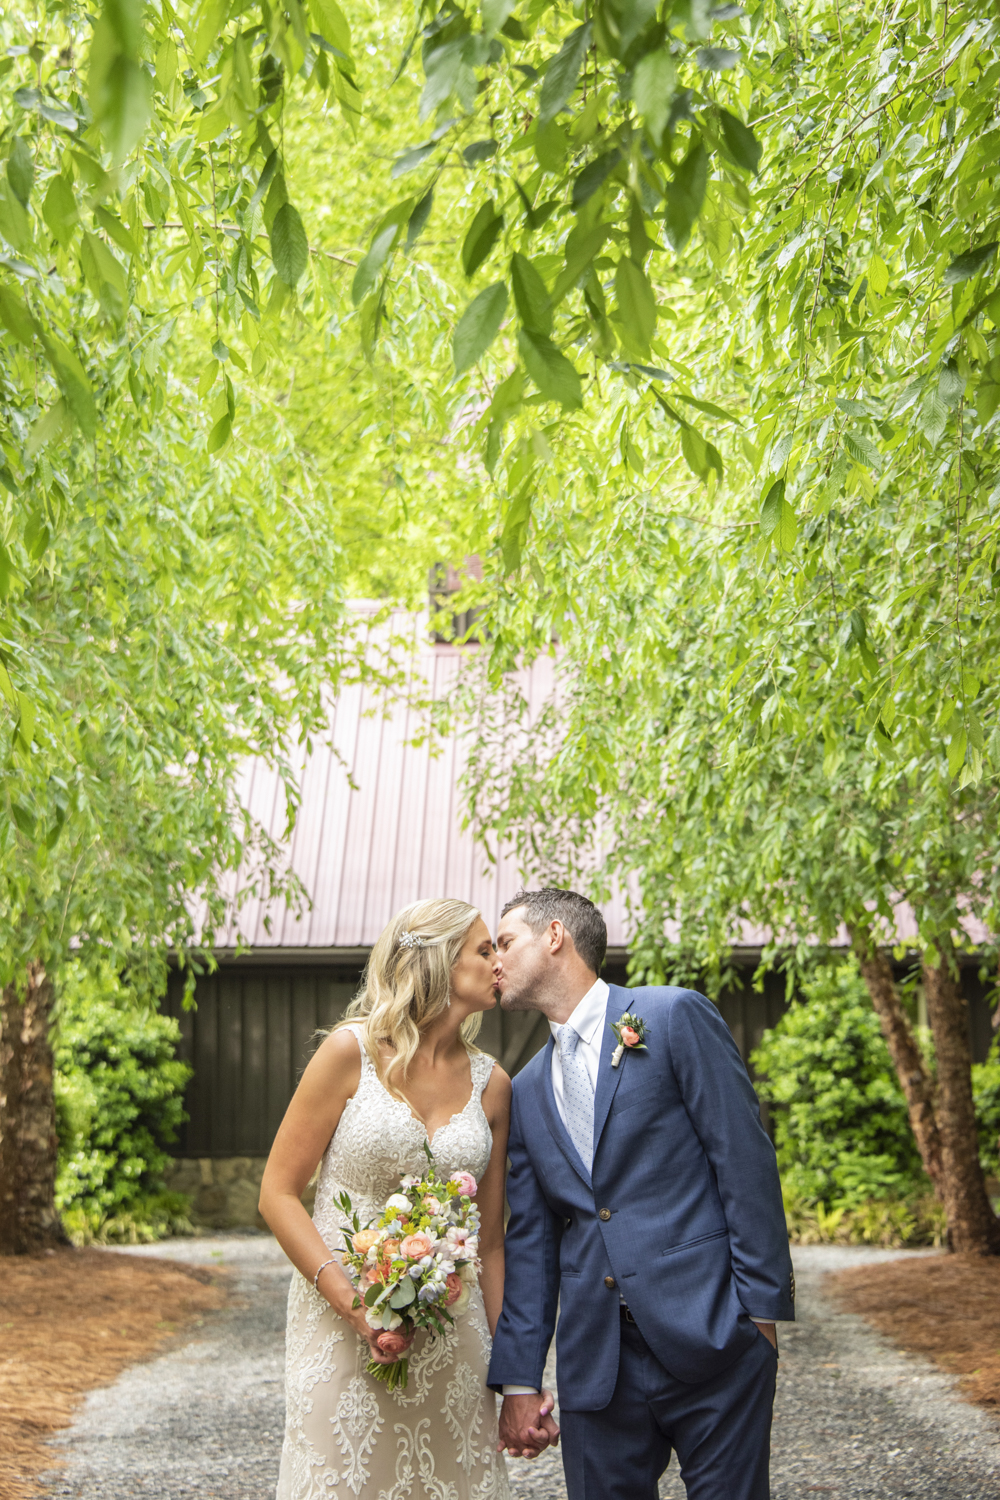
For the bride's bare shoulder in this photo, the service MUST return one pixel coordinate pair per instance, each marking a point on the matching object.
(337, 1060)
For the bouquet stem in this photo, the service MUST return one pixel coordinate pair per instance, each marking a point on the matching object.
(392, 1376)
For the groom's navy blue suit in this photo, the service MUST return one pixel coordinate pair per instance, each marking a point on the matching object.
(680, 1215)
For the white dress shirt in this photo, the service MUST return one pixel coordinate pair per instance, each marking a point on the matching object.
(587, 1021)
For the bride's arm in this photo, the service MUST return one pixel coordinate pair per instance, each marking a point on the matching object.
(331, 1078)
(490, 1198)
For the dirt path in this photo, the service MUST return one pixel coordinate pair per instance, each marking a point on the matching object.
(854, 1419)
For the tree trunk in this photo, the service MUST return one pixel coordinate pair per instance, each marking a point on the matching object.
(972, 1224)
(916, 1081)
(28, 1144)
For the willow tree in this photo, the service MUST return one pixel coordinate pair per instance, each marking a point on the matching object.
(778, 689)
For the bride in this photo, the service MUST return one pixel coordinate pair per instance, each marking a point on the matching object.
(399, 1071)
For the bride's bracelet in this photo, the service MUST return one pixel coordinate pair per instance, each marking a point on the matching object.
(330, 1262)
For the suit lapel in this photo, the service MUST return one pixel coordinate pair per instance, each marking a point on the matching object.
(608, 1078)
(547, 1104)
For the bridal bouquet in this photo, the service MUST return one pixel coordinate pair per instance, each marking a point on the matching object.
(414, 1266)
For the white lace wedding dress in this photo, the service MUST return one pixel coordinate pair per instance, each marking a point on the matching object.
(346, 1435)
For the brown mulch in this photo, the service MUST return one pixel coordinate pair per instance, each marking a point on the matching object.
(71, 1320)
(946, 1308)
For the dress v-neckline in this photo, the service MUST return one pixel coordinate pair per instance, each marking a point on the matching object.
(404, 1103)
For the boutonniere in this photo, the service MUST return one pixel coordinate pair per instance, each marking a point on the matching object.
(631, 1033)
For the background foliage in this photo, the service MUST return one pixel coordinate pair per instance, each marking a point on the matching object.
(119, 1103)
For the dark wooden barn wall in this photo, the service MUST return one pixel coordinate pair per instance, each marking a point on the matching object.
(254, 1029)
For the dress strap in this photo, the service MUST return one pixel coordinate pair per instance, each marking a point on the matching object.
(482, 1065)
(367, 1066)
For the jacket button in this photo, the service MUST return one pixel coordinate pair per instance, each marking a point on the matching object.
(609, 1281)
(605, 1214)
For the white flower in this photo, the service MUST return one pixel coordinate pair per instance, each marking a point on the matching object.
(398, 1200)
(408, 1182)
(394, 1321)
(461, 1302)
(373, 1319)
(467, 1271)
(472, 1246)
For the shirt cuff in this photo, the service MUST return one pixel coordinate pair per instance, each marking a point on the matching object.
(759, 1320)
(520, 1390)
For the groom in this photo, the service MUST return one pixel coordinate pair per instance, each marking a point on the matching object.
(645, 1204)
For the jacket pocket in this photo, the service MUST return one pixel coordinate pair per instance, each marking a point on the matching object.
(631, 1098)
(701, 1239)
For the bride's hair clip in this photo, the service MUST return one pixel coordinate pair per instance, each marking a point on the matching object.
(411, 940)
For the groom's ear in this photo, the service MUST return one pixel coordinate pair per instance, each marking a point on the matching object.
(557, 936)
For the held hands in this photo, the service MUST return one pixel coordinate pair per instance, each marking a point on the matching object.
(527, 1426)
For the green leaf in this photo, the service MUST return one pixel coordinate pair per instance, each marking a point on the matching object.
(73, 383)
(863, 450)
(685, 195)
(956, 752)
(700, 455)
(417, 221)
(478, 326)
(653, 88)
(289, 245)
(515, 529)
(369, 268)
(333, 25)
(59, 210)
(15, 316)
(480, 238)
(121, 91)
(708, 407)
(741, 143)
(551, 371)
(770, 511)
(593, 176)
(878, 275)
(105, 276)
(48, 428)
(20, 170)
(495, 13)
(636, 304)
(969, 264)
(530, 295)
(220, 434)
(404, 1294)
(562, 73)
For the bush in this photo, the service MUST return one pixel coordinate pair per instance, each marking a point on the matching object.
(840, 1123)
(118, 1089)
(986, 1092)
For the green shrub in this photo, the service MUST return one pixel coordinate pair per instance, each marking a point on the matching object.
(840, 1123)
(118, 1089)
(986, 1092)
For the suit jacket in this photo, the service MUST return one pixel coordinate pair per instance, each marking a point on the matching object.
(681, 1212)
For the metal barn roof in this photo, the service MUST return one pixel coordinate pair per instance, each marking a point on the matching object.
(379, 823)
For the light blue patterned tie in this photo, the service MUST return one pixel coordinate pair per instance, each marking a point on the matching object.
(578, 1095)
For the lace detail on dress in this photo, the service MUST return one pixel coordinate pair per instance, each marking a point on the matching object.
(345, 1434)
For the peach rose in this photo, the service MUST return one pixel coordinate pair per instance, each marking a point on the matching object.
(455, 1286)
(432, 1205)
(395, 1342)
(416, 1246)
(363, 1241)
(629, 1036)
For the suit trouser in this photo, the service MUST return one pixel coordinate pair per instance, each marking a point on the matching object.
(720, 1429)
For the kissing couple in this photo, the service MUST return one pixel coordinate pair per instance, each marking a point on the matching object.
(644, 1208)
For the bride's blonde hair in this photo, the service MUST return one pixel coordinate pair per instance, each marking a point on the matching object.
(407, 984)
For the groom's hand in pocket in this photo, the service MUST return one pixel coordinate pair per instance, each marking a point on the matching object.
(527, 1426)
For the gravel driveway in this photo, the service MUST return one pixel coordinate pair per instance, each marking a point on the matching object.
(853, 1419)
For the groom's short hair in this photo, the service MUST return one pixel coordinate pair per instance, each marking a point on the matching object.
(580, 917)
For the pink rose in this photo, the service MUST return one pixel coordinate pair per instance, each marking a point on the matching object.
(395, 1342)
(455, 1286)
(415, 1246)
(629, 1036)
(466, 1183)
